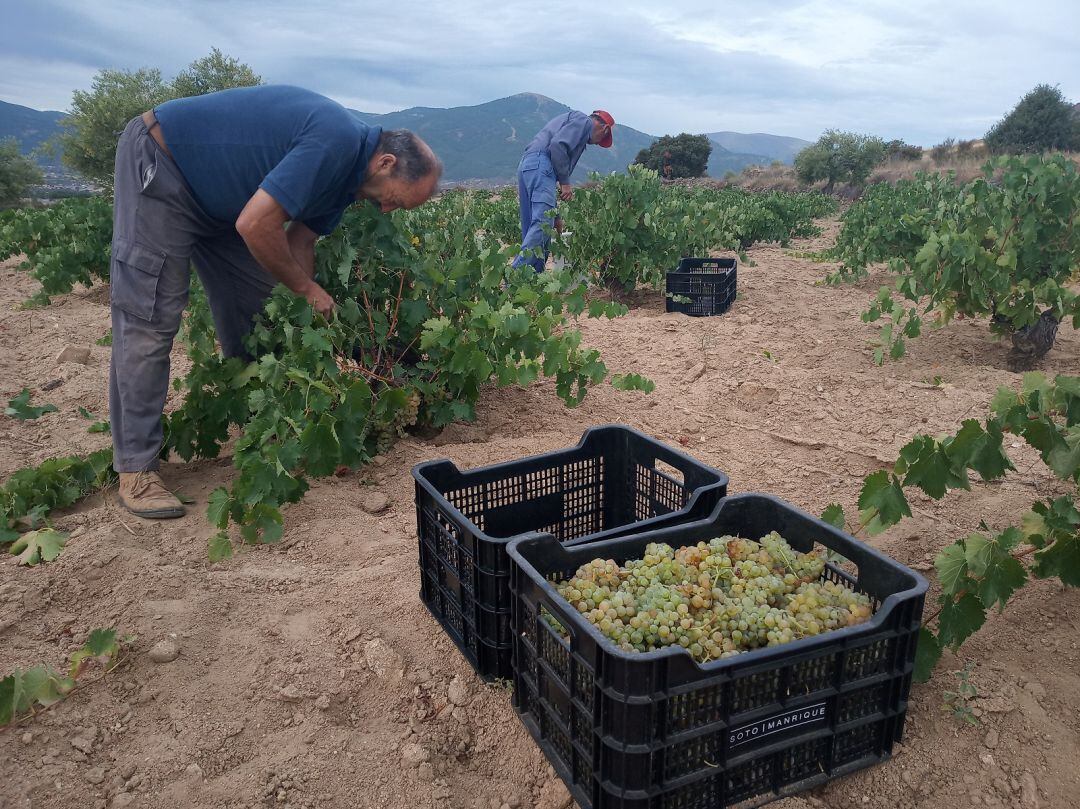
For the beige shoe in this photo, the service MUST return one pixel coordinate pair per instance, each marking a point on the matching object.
(144, 495)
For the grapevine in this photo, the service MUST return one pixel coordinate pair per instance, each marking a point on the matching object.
(985, 569)
(1004, 246)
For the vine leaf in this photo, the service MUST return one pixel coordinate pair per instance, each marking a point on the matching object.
(21, 409)
(959, 619)
(43, 545)
(882, 502)
(927, 655)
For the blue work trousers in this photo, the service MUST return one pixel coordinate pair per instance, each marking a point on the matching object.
(159, 231)
(536, 196)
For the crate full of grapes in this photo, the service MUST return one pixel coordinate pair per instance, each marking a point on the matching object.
(616, 480)
(715, 663)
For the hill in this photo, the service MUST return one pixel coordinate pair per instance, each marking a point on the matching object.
(479, 144)
(773, 147)
(485, 141)
(30, 127)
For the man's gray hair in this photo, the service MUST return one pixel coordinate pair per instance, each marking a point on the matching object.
(415, 160)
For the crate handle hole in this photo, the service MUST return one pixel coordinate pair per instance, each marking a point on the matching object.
(669, 471)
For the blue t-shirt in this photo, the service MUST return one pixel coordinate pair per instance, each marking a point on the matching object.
(309, 153)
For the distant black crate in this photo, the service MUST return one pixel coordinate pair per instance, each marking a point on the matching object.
(613, 482)
(629, 730)
(707, 283)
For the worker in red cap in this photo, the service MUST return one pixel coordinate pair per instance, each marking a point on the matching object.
(549, 160)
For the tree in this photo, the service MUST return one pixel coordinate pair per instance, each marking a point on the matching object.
(899, 150)
(212, 73)
(1042, 121)
(839, 157)
(17, 172)
(677, 156)
(117, 96)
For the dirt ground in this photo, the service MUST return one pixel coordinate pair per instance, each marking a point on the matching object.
(309, 673)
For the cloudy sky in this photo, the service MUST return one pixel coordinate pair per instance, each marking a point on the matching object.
(920, 70)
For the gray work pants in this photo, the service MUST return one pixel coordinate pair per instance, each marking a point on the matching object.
(159, 231)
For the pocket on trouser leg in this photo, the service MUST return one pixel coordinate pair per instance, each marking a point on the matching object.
(134, 274)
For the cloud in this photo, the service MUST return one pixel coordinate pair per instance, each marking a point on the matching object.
(921, 70)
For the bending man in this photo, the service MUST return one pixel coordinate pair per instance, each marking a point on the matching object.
(212, 181)
(549, 160)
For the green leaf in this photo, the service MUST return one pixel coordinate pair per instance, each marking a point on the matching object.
(217, 510)
(960, 619)
(102, 643)
(979, 552)
(632, 382)
(834, 516)
(99, 427)
(881, 502)
(219, 547)
(1061, 558)
(1002, 578)
(43, 545)
(927, 655)
(20, 407)
(952, 568)
(86, 414)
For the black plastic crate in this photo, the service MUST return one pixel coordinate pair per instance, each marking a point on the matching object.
(657, 730)
(708, 283)
(616, 480)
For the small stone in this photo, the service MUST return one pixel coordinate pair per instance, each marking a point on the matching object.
(413, 755)
(323, 703)
(95, 775)
(27, 737)
(383, 660)
(290, 693)
(379, 460)
(1037, 690)
(82, 744)
(122, 800)
(127, 770)
(426, 772)
(165, 650)
(1029, 792)
(79, 354)
(695, 373)
(991, 739)
(193, 770)
(457, 693)
(375, 502)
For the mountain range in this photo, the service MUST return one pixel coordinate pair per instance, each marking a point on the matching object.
(480, 144)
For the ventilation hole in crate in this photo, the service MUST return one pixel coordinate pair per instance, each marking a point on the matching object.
(582, 771)
(704, 794)
(654, 494)
(861, 703)
(750, 779)
(451, 613)
(447, 540)
(530, 623)
(702, 753)
(552, 648)
(854, 744)
(754, 691)
(866, 661)
(583, 684)
(581, 730)
(550, 730)
(802, 760)
(473, 501)
(812, 675)
(692, 710)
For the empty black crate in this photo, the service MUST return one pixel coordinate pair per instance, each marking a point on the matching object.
(629, 730)
(614, 481)
(708, 284)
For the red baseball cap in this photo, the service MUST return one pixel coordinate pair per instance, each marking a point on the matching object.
(607, 119)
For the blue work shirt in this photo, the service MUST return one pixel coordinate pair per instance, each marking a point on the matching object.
(563, 139)
(309, 153)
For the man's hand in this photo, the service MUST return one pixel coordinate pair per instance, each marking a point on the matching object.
(320, 301)
(262, 226)
(566, 192)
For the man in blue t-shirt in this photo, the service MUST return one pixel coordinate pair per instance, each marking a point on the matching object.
(240, 184)
(550, 159)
